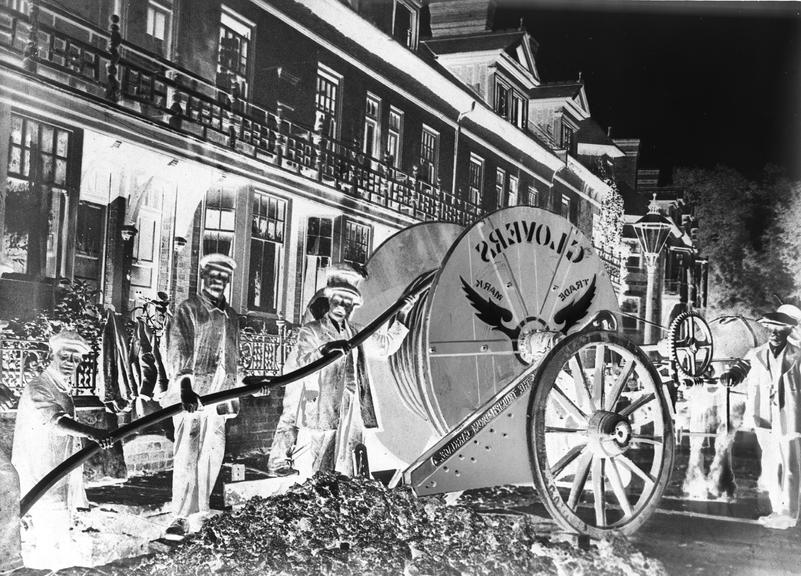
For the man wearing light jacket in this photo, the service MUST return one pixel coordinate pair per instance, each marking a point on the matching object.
(772, 375)
(336, 403)
(202, 358)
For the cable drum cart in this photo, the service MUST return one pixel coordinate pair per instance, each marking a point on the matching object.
(512, 369)
(513, 362)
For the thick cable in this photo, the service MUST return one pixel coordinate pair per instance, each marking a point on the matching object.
(251, 385)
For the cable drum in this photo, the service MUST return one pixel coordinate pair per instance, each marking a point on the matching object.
(504, 289)
(404, 364)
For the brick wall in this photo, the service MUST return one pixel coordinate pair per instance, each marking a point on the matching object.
(254, 428)
(147, 454)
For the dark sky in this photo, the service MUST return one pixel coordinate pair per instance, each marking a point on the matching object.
(700, 83)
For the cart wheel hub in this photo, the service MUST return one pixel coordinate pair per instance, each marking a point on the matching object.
(535, 341)
(609, 434)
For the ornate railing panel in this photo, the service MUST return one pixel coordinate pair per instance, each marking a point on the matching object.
(147, 84)
(262, 353)
(22, 360)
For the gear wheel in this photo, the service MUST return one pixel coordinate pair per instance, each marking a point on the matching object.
(690, 340)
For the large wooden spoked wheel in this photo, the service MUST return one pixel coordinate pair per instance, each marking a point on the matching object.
(600, 435)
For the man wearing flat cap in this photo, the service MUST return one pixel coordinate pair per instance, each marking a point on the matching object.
(335, 404)
(772, 376)
(202, 358)
(47, 433)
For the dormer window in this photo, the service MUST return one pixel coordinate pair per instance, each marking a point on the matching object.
(406, 23)
(510, 104)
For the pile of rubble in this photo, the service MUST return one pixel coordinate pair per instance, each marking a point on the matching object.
(342, 526)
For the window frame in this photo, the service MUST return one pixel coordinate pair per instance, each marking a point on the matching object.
(396, 134)
(513, 192)
(53, 187)
(158, 8)
(319, 236)
(329, 76)
(429, 166)
(358, 227)
(281, 216)
(475, 190)
(372, 120)
(500, 187)
(413, 33)
(532, 196)
(236, 24)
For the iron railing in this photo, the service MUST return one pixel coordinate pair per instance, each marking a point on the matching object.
(105, 67)
(263, 353)
(21, 360)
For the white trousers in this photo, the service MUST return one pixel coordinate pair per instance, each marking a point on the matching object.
(198, 455)
(781, 470)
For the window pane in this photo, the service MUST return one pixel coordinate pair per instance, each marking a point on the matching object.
(227, 198)
(47, 167)
(326, 227)
(212, 218)
(62, 143)
(46, 142)
(20, 201)
(15, 162)
(227, 220)
(16, 129)
(31, 129)
(263, 280)
(314, 226)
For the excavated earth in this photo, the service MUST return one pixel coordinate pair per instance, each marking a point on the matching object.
(341, 526)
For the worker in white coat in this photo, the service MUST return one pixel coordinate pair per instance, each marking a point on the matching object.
(772, 374)
(202, 358)
(335, 404)
(47, 433)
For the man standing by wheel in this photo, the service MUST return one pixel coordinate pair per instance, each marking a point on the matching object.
(202, 358)
(772, 374)
(336, 403)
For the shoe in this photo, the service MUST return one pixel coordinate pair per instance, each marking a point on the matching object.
(176, 530)
(765, 520)
(780, 522)
(281, 472)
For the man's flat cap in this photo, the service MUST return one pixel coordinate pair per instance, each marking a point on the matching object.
(218, 262)
(69, 339)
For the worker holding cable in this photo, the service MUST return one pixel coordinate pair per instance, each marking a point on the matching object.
(46, 433)
(772, 375)
(202, 358)
(335, 404)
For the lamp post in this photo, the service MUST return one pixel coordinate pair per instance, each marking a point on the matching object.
(652, 232)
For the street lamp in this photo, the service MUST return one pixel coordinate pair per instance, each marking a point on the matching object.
(652, 232)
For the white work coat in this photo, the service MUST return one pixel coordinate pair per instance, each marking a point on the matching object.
(766, 380)
(40, 446)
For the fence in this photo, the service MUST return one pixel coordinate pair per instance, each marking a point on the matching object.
(22, 360)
